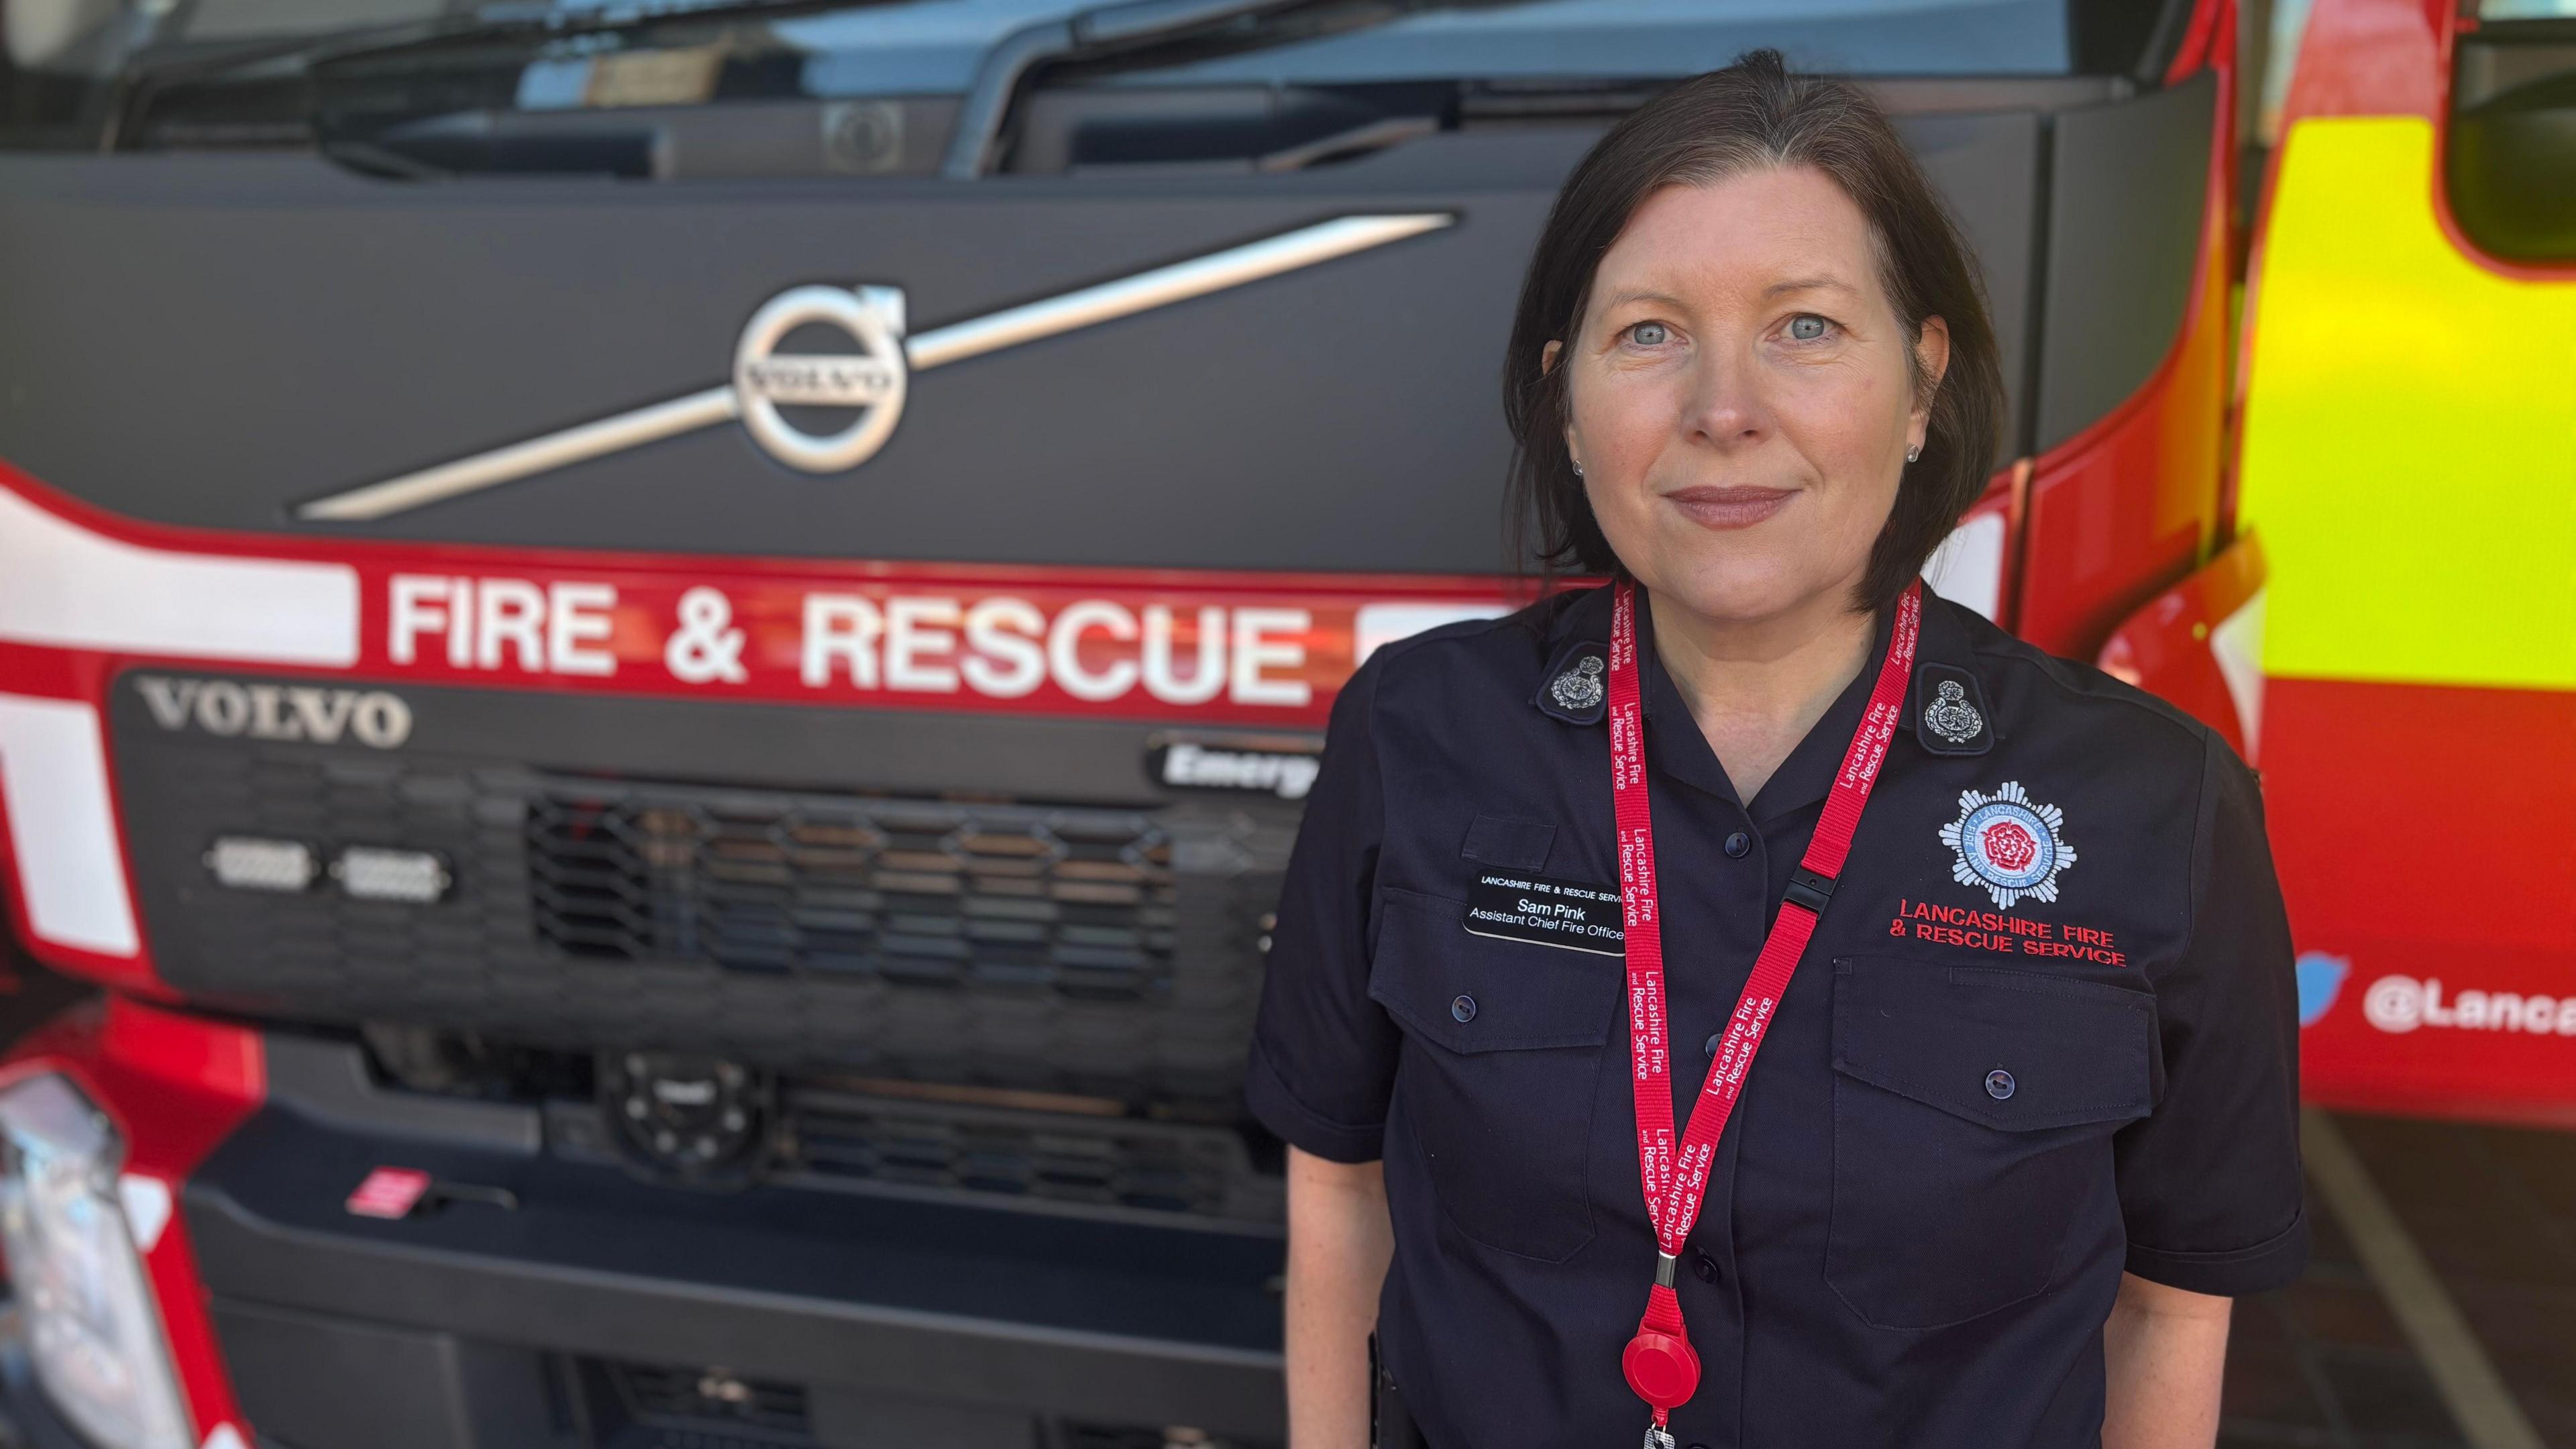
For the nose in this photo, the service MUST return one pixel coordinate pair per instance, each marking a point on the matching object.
(1726, 407)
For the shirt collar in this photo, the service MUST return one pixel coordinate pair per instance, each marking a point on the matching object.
(1585, 616)
(1677, 748)
(1802, 779)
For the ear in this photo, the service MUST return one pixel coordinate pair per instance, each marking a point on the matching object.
(1931, 363)
(1547, 362)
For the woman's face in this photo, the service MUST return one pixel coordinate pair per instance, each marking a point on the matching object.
(1739, 394)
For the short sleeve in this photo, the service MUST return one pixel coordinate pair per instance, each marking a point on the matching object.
(2210, 1184)
(1323, 1053)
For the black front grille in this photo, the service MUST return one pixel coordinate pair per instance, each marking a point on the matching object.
(711, 1395)
(1103, 1161)
(1105, 1436)
(1088, 950)
(656, 1406)
(913, 891)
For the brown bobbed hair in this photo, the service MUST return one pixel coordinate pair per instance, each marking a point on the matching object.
(1755, 115)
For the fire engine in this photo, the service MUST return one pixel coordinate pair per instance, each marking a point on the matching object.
(662, 656)
(2418, 736)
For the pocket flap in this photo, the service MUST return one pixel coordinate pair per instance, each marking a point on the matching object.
(1509, 843)
(1474, 993)
(2011, 1049)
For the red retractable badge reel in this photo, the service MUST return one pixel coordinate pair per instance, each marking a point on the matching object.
(1662, 1367)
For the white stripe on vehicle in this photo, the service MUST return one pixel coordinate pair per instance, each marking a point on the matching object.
(1379, 625)
(53, 783)
(2237, 645)
(1968, 566)
(68, 588)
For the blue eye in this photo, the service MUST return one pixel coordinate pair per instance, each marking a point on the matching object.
(1650, 334)
(1807, 327)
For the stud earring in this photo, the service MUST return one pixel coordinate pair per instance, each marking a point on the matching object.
(1910, 455)
(1578, 467)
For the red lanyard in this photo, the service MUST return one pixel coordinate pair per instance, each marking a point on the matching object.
(1659, 1361)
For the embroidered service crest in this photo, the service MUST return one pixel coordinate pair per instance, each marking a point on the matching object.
(2008, 844)
(1580, 687)
(1951, 716)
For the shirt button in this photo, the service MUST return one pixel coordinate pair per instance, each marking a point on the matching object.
(1738, 843)
(1464, 1008)
(1705, 1266)
(1710, 1046)
(1999, 1084)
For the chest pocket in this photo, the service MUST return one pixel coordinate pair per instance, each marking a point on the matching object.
(1504, 1045)
(1973, 1116)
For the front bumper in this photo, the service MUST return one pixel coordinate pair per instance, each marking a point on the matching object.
(559, 1302)
(967, 1325)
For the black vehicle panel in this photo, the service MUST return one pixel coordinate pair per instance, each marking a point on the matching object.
(2124, 226)
(285, 331)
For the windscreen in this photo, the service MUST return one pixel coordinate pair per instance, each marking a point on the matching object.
(935, 47)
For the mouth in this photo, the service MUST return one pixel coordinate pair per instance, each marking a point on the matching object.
(1729, 507)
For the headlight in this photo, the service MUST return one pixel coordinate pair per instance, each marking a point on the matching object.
(93, 1333)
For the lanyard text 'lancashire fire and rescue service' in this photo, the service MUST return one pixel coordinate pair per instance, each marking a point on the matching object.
(1660, 1363)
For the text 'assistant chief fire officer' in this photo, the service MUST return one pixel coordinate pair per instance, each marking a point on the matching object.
(1756, 1002)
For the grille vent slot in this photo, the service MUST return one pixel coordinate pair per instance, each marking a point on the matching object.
(1102, 1436)
(911, 891)
(1106, 1161)
(655, 1406)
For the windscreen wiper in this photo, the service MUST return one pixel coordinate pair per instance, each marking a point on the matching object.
(1102, 31)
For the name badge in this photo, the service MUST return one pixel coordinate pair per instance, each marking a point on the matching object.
(1571, 914)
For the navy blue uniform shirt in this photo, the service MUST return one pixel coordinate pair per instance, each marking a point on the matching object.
(2046, 1032)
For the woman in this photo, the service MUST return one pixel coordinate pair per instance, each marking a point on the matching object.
(1979, 1164)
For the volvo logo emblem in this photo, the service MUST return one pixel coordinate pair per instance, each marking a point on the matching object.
(868, 382)
(372, 717)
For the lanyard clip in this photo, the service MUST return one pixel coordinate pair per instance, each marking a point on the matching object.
(1665, 1263)
(1658, 1437)
(1809, 889)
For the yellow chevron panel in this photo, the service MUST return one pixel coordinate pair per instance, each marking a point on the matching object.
(2410, 431)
